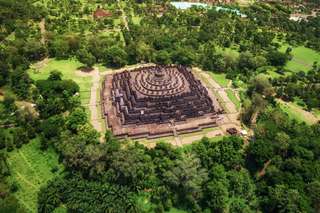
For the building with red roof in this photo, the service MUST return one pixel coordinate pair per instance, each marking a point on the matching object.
(101, 13)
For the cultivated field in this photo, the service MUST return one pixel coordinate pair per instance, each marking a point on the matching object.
(303, 58)
(31, 169)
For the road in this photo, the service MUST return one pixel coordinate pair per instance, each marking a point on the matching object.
(42, 26)
(123, 15)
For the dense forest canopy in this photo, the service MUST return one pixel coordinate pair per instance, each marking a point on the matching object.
(276, 169)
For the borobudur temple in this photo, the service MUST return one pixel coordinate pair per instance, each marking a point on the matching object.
(157, 101)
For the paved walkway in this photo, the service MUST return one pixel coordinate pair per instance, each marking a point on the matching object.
(231, 117)
(93, 105)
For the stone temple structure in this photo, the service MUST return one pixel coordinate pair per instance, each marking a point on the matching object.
(156, 101)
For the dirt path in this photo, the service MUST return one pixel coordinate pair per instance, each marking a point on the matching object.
(40, 64)
(123, 15)
(308, 116)
(93, 100)
(129, 67)
(262, 172)
(42, 26)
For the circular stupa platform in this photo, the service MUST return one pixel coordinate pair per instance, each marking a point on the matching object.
(156, 101)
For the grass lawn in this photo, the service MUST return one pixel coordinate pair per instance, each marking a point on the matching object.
(316, 112)
(217, 138)
(60, 209)
(271, 72)
(116, 22)
(296, 112)
(31, 169)
(101, 67)
(203, 132)
(68, 69)
(291, 113)
(212, 139)
(174, 210)
(233, 98)
(156, 140)
(136, 20)
(303, 58)
(245, 3)
(228, 52)
(220, 78)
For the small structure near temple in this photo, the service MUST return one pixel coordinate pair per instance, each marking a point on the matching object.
(101, 13)
(156, 101)
(232, 131)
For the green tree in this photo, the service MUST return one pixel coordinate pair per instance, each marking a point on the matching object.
(20, 136)
(162, 57)
(34, 50)
(59, 48)
(3, 137)
(276, 58)
(21, 83)
(216, 190)
(313, 190)
(115, 56)
(132, 167)
(217, 196)
(284, 199)
(186, 179)
(77, 118)
(86, 58)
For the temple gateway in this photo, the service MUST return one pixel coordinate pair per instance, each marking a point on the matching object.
(157, 101)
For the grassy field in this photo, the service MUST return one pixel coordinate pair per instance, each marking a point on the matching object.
(156, 140)
(101, 67)
(291, 113)
(233, 98)
(136, 20)
(232, 52)
(116, 22)
(68, 69)
(296, 112)
(174, 210)
(303, 58)
(245, 3)
(220, 78)
(201, 133)
(31, 168)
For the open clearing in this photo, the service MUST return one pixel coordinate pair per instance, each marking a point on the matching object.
(233, 98)
(296, 112)
(303, 58)
(31, 168)
(220, 78)
(69, 70)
